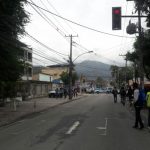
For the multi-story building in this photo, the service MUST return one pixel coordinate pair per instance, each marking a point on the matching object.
(27, 58)
(55, 70)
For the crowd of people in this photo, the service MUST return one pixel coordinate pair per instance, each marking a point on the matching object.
(137, 97)
(64, 92)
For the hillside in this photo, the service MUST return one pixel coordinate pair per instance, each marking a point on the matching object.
(93, 69)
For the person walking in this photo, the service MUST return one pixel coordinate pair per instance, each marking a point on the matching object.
(115, 92)
(148, 106)
(123, 95)
(130, 95)
(65, 93)
(139, 96)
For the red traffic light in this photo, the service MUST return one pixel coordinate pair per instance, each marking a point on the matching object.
(117, 11)
(116, 18)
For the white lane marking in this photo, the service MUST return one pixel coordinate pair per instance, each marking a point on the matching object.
(73, 127)
(104, 128)
(101, 128)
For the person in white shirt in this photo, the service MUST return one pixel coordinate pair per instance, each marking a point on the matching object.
(138, 108)
(136, 94)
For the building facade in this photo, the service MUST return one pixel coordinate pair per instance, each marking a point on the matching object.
(28, 69)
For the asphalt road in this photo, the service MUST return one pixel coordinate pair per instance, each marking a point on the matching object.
(90, 123)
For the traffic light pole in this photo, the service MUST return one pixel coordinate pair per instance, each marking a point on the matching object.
(140, 54)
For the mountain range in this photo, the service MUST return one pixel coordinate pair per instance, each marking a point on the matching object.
(93, 69)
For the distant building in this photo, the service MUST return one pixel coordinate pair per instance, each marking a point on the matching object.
(42, 77)
(55, 70)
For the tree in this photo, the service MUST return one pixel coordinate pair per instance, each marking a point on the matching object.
(120, 74)
(100, 82)
(145, 44)
(145, 8)
(65, 78)
(13, 19)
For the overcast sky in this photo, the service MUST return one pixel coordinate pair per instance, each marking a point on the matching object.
(96, 14)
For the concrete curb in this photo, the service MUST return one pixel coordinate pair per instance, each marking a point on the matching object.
(34, 114)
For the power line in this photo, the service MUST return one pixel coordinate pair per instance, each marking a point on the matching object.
(49, 21)
(50, 49)
(59, 15)
(54, 17)
(95, 30)
(113, 61)
(41, 53)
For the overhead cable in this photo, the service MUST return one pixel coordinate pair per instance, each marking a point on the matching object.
(95, 30)
(60, 54)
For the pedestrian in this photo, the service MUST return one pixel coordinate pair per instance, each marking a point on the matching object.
(57, 94)
(75, 92)
(130, 95)
(123, 95)
(148, 106)
(115, 92)
(139, 96)
(65, 93)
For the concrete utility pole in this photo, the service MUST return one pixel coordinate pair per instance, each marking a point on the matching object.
(70, 67)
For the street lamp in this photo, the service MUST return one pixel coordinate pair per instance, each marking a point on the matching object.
(70, 71)
(82, 54)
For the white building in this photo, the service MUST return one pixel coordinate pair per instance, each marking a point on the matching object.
(27, 58)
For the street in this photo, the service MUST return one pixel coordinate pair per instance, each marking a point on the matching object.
(90, 123)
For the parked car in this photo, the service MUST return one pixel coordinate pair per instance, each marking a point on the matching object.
(109, 90)
(53, 94)
(98, 90)
(89, 90)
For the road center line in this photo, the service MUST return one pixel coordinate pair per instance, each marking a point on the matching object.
(73, 127)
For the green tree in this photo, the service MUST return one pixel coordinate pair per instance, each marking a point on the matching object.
(145, 46)
(145, 42)
(120, 74)
(145, 8)
(65, 78)
(13, 19)
(100, 82)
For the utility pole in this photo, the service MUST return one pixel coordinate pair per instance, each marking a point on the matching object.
(70, 67)
(125, 67)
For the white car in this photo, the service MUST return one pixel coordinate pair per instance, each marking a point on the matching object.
(98, 90)
(89, 90)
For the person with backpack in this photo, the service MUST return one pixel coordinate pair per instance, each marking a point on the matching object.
(123, 95)
(139, 103)
(148, 106)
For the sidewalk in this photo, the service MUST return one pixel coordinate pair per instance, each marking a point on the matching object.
(26, 108)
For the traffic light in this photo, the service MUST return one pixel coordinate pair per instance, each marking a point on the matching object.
(116, 18)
